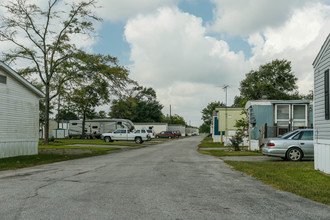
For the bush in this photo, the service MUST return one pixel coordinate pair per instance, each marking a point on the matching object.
(236, 140)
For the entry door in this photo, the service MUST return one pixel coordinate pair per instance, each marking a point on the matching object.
(282, 118)
(299, 116)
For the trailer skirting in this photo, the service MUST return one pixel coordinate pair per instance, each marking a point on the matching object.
(18, 148)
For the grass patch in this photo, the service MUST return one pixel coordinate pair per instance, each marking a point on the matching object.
(33, 160)
(77, 147)
(207, 142)
(299, 178)
(222, 153)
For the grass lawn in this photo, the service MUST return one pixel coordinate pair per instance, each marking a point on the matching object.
(221, 153)
(299, 178)
(33, 160)
(207, 142)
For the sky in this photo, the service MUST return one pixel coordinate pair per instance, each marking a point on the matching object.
(187, 50)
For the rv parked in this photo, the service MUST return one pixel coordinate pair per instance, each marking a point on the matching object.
(94, 128)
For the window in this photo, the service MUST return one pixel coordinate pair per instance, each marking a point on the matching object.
(137, 131)
(282, 117)
(94, 127)
(3, 79)
(74, 124)
(299, 116)
(326, 94)
(123, 131)
(307, 135)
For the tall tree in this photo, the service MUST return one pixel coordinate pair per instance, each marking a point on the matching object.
(207, 112)
(42, 38)
(66, 114)
(275, 80)
(139, 105)
(174, 119)
(97, 76)
(204, 128)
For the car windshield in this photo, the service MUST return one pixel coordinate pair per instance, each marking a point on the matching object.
(289, 134)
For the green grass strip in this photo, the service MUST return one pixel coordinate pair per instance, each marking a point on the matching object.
(299, 178)
(33, 160)
(222, 153)
(60, 142)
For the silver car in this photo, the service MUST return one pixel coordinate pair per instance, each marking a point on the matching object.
(292, 146)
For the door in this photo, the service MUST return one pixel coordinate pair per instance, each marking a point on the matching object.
(306, 143)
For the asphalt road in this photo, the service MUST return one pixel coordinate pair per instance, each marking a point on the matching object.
(165, 181)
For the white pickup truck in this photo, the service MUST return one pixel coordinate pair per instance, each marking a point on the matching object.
(125, 135)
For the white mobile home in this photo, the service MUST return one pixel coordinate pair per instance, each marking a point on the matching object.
(95, 127)
(322, 108)
(157, 127)
(19, 114)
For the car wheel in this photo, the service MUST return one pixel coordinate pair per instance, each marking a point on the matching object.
(169, 137)
(107, 139)
(157, 136)
(138, 140)
(294, 154)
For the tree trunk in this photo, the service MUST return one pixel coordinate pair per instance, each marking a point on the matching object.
(83, 126)
(46, 141)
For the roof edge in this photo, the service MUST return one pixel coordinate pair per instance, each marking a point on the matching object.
(324, 45)
(23, 81)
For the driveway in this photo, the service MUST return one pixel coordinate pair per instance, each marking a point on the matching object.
(165, 181)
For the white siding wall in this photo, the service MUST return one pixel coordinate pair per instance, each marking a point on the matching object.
(321, 126)
(19, 119)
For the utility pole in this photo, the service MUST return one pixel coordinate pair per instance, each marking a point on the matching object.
(170, 114)
(226, 113)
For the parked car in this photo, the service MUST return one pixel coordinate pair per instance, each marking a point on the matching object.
(151, 133)
(125, 135)
(176, 133)
(165, 134)
(144, 131)
(292, 146)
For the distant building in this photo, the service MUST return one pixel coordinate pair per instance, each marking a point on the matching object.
(322, 108)
(224, 120)
(157, 127)
(19, 114)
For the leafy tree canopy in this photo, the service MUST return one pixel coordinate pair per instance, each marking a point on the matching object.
(204, 128)
(207, 112)
(66, 114)
(174, 119)
(138, 105)
(275, 80)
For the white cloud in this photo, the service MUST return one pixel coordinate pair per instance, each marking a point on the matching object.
(244, 17)
(298, 40)
(170, 45)
(187, 99)
(115, 10)
(171, 53)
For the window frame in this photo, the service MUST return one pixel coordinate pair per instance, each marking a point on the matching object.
(3, 79)
(326, 95)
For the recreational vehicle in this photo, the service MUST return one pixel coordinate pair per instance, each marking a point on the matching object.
(94, 128)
